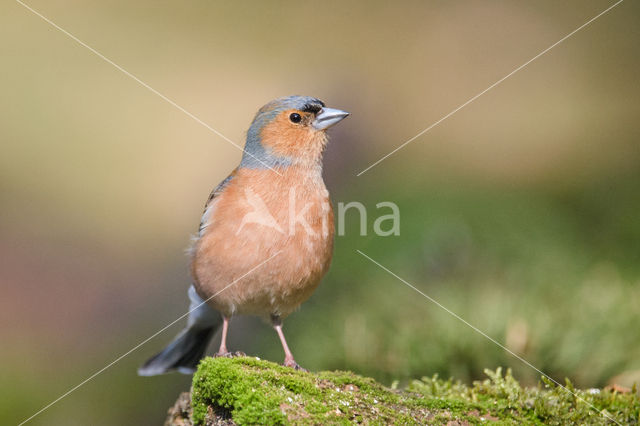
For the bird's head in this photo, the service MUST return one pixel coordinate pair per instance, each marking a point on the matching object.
(289, 130)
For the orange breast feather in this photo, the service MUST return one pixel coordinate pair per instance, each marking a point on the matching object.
(284, 221)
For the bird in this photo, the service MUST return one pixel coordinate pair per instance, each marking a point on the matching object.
(265, 238)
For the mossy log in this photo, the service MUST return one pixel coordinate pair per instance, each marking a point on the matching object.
(230, 391)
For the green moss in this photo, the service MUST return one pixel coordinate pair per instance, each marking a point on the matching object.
(504, 398)
(255, 391)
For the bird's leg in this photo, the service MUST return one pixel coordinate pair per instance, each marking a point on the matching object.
(223, 342)
(288, 356)
(223, 351)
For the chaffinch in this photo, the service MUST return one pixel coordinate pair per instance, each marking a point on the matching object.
(266, 236)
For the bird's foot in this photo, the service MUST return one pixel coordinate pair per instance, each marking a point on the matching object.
(229, 354)
(291, 363)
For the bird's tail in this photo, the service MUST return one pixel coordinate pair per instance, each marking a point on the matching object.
(188, 347)
(182, 354)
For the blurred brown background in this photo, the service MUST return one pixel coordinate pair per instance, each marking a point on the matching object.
(519, 213)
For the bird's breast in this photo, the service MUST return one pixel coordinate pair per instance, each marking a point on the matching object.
(270, 237)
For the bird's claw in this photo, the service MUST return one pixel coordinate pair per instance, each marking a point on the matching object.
(294, 365)
(229, 354)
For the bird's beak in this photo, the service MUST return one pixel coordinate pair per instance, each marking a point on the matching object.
(327, 117)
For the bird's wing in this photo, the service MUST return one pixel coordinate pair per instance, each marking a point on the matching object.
(204, 221)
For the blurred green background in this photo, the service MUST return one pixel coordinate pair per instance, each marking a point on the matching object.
(519, 213)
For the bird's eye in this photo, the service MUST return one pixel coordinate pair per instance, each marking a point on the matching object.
(295, 117)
